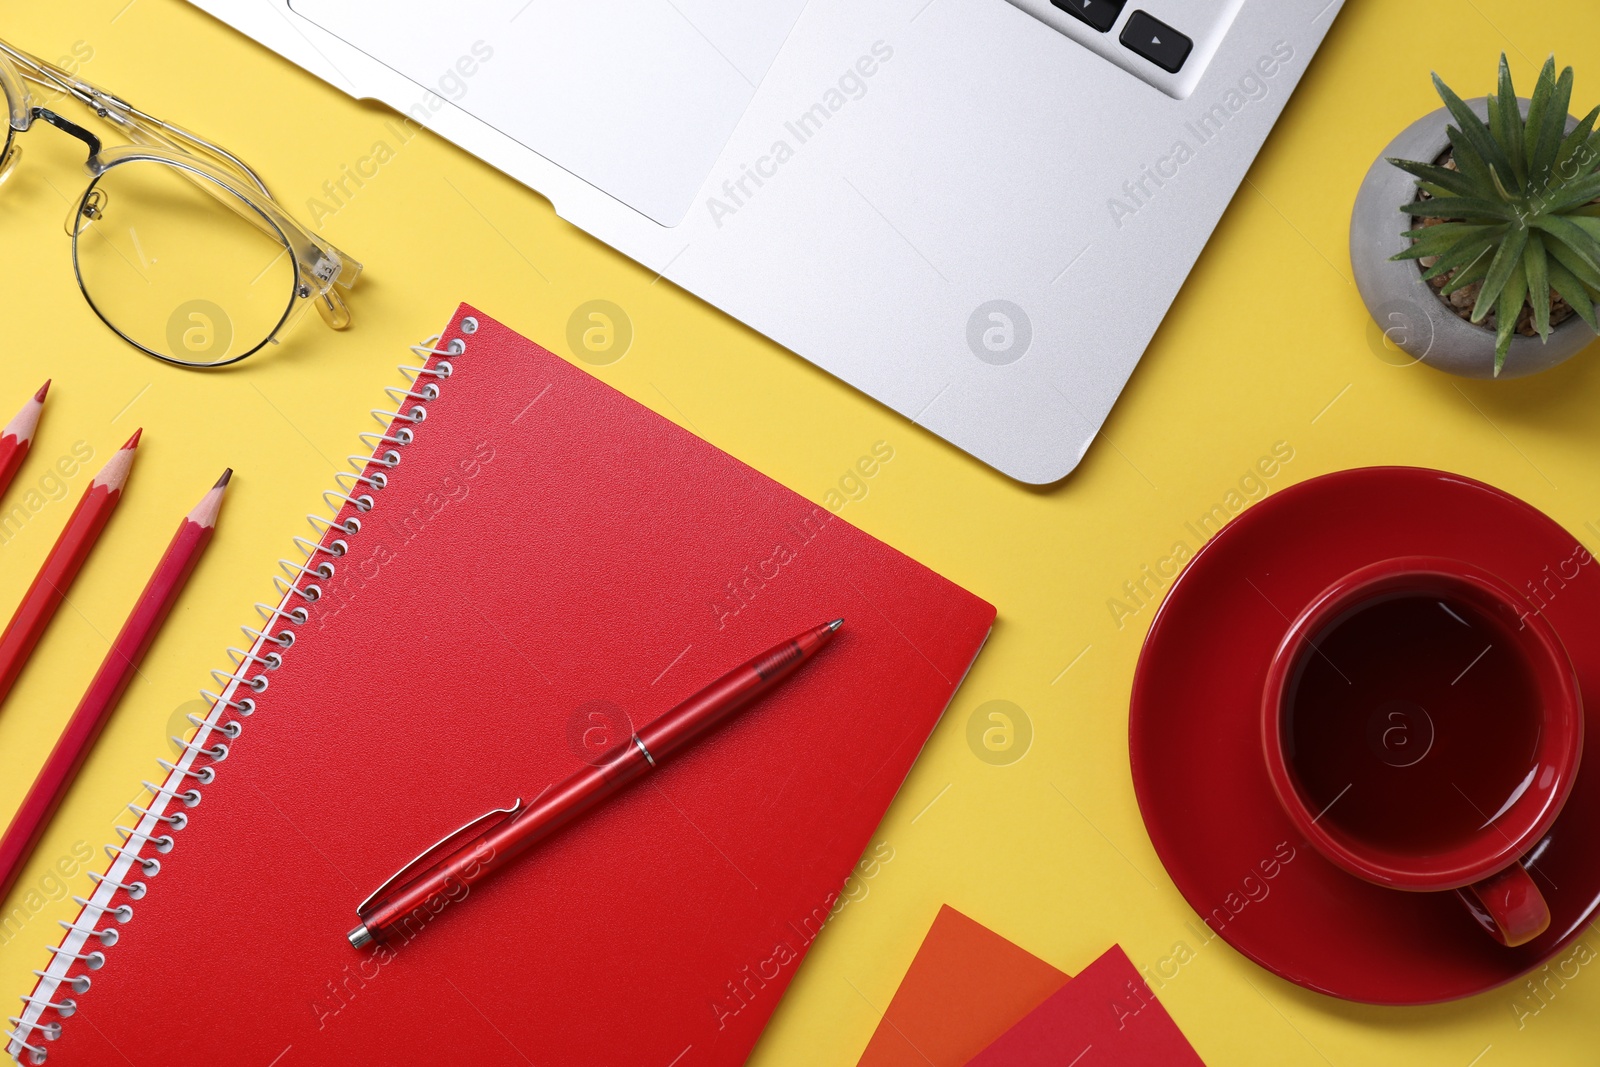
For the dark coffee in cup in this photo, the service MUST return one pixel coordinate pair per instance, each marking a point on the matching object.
(1422, 729)
(1418, 719)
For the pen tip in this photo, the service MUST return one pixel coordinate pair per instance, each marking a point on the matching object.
(835, 624)
(133, 442)
(43, 389)
(222, 481)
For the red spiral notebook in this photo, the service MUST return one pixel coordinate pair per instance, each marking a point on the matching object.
(543, 556)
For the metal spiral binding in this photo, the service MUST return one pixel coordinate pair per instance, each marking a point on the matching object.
(238, 690)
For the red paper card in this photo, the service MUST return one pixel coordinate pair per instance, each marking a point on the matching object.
(964, 988)
(1105, 1017)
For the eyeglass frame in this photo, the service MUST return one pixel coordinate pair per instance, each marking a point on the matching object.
(321, 270)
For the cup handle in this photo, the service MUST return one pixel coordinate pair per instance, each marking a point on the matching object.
(1508, 906)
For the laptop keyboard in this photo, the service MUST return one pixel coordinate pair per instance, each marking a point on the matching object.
(1164, 42)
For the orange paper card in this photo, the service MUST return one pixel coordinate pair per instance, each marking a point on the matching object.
(966, 987)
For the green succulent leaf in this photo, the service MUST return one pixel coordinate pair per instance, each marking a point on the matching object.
(1569, 258)
(1572, 232)
(1573, 292)
(1453, 229)
(1586, 156)
(1476, 139)
(1467, 160)
(1476, 271)
(1505, 118)
(1507, 311)
(1461, 207)
(1568, 162)
(1437, 240)
(1463, 254)
(1542, 88)
(1592, 228)
(1571, 195)
(1535, 270)
(1452, 181)
(1506, 266)
(1550, 131)
(1499, 186)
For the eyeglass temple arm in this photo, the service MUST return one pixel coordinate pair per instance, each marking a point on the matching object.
(167, 135)
(154, 132)
(147, 129)
(141, 127)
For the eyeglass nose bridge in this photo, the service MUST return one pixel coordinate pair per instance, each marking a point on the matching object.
(92, 206)
(72, 128)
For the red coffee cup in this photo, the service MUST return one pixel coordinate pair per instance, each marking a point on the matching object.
(1422, 727)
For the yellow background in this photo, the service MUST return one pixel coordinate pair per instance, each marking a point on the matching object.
(1268, 342)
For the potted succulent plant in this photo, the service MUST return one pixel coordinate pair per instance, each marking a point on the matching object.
(1498, 273)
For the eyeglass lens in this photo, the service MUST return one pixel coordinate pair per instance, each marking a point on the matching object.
(180, 265)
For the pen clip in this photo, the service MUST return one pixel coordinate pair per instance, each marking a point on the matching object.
(435, 847)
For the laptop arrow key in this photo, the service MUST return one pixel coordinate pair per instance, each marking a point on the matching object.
(1100, 14)
(1156, 41)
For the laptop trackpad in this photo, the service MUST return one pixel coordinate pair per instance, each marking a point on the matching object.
(637, 97)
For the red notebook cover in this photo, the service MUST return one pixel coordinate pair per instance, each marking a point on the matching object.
(545, 556)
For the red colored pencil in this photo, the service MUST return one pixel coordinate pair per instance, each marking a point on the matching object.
(18, 435)
(50, 586)
(110, 682)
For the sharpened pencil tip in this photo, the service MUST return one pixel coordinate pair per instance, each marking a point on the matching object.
(835, 624)
(133, 442)
(222, 481)
(43, 389)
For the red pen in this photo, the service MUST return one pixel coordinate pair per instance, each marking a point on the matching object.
(413, 903)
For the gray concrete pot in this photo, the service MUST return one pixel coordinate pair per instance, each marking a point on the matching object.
(1404, 306)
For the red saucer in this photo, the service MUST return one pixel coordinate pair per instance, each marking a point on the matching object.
(1195, 739)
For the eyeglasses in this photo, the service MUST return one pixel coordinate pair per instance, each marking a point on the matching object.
(177, 245)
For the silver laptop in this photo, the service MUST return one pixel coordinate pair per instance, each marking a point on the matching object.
(976, 211)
